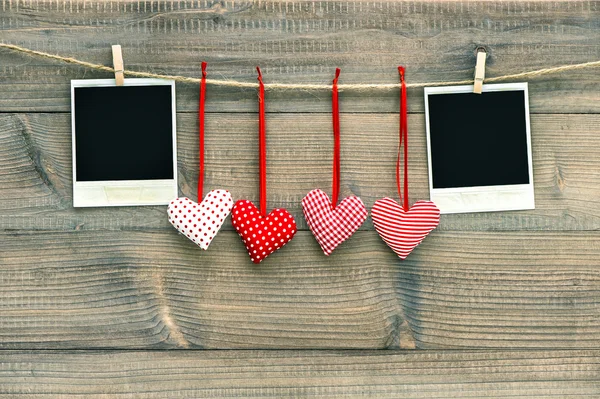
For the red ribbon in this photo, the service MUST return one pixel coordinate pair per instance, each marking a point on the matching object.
(262, 144)
(201, 125)
(403, 137)
(336, 139)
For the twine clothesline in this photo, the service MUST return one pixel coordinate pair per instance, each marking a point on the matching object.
(302, 86)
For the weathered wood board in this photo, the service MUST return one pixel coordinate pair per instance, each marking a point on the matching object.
(113, 303)
(347, 374)
(301, 41)
(135, 289)
(36, 174)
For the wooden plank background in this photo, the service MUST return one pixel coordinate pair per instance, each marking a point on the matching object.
(113, 303)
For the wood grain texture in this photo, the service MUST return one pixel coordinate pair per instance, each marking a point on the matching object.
(301, 41)
(156, 289)
(113, 303)
(36, 174)
(267, 374)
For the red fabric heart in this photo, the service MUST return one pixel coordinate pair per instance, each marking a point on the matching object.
(403, 230)
(332, 226)
(262, 235)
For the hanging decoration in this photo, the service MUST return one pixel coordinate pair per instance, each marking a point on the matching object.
(402, 227)
(261, 233)
(201, 222)
(330, 223)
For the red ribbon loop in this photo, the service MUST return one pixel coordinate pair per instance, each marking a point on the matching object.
(336, 139)
(403, 137)
(262, 144)
(201, 129)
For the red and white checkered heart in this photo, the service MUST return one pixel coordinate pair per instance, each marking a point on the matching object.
(200, 222)
(330, 226)
(262, 235)
(403, 231)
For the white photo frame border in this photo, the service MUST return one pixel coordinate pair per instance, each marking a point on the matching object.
(104, 193)
(481, 198)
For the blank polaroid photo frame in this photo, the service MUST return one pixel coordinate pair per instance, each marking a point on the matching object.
(124, 142)
(479, 148)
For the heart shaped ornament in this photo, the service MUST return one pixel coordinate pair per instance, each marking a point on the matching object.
(332, 226)
(200, 222)
(262, 235)
(403, 230)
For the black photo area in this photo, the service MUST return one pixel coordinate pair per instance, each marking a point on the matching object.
(123, 133)
(478, 139)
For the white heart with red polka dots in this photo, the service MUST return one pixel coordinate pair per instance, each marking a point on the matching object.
(200, 222)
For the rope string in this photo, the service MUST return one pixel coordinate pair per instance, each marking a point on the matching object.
(301, 86)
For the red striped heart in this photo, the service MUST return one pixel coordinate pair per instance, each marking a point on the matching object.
(262, 235)
(403, 230)
(332, 226)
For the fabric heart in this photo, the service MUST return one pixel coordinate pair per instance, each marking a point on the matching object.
(330, 226)
(403, 230)
(262, 235)
(200, 222)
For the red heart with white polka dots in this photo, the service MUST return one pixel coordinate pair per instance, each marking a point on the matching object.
(262, 235)
(200, 222)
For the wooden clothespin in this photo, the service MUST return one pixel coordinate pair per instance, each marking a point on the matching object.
(118, 64)
(479, 70)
